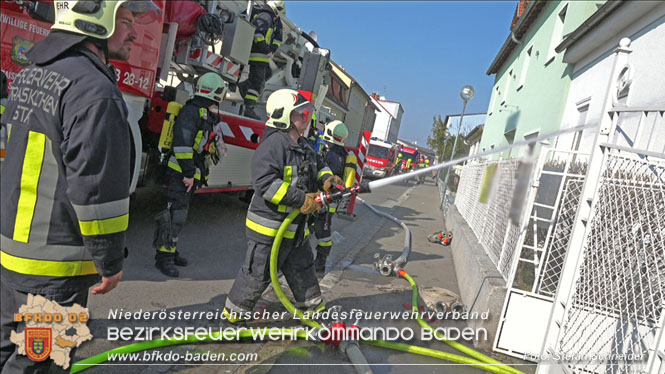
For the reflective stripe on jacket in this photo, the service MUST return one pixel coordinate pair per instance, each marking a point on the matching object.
(65, 182)
(268, 33)
(191, 134)
(282, 173)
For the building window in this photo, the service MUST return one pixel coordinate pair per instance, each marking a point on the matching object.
(525, 67)
(557, 34)
(337, 92)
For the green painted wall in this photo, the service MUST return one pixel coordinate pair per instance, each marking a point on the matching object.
(531, 86)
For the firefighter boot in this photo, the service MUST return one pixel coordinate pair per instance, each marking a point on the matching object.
(320, 264)
(165, 262)
(234, 318)
(179, 260)
(249, 112)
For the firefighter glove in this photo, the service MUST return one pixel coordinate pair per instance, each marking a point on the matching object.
(332, 181)
(213, 152)
(310, 205)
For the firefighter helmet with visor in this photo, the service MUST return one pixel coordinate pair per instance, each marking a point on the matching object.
(211, 86)
(96, 18)
(277, 6)
(336, 132)
(284, 106)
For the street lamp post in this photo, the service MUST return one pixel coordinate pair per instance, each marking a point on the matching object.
(466, 94)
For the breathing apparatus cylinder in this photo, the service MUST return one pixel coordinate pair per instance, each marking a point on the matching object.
(166, 136)
(350, 171)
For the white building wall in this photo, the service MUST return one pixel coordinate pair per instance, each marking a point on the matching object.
(395, 109)
(381, 125)
(388, 120)
(397, 123)
(591, 79)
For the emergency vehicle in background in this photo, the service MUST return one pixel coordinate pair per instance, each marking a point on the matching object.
(381, 158)
(408, 153)
(190, 39)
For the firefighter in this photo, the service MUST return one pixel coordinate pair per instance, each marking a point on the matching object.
(334, 135)
(286, 174)
(193, 138)
(314, 139)
(398, 163)
(66, 177)
(267, 38)
(421, 165)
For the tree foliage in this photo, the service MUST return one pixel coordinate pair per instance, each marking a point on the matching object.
(440, 140)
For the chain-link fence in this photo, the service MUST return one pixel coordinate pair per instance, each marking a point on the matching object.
(483, 199)
(551, 199)
(617, 303)
(556, 251)
(549, 223)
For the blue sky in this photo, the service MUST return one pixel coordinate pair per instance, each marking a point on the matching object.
(420, 52)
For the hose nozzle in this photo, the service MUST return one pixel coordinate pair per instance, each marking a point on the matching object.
(339, 193)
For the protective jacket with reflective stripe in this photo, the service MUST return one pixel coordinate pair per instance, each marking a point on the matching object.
(268, 33)
(191, 135)
(65, 180)
(282, 173)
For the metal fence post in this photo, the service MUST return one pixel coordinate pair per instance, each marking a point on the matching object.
(570, 271)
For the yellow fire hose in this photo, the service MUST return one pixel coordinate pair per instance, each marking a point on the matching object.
(481, 361)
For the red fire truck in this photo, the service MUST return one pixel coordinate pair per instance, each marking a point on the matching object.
(167, 58)
(408, 154)
(381, 158)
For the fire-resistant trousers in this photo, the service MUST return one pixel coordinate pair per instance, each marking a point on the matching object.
(321, 226)
(259, 72)
(254, 277)
(178, 206)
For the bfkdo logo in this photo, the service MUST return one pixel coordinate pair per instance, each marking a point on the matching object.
(38, 343)
(51, 330)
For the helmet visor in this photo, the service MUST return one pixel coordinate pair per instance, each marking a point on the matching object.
(303, 113)
(145, 11)
(220, 93)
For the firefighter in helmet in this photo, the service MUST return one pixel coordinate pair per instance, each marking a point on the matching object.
(398, 163)
(267, 38)
(195, 142)
(286, 173)
(421, 165)
(66, 178)
(334, 135)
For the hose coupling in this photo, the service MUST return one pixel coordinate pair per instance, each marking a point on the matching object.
(384, 265)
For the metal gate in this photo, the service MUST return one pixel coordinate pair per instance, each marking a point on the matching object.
(607, 316)
(534, 276)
